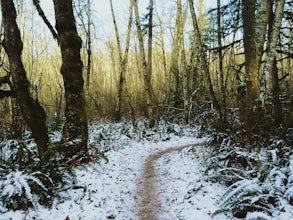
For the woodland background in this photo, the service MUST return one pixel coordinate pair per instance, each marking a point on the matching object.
(68, 95)
(213, 86)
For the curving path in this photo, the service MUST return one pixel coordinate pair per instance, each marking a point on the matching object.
(150, 205)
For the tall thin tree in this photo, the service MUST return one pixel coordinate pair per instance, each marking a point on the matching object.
(270, 67)
(31, 110)
(147, 77)
(203, 59)
(220, 60)
(123, 60)
(251, 66)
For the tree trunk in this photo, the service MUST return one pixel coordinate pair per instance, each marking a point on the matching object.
(162, 43)
(147, 77)
(122, 60)
(150, 59)
(174, 67)
(75, 131)
(220, 60)
(183, 69)
(202, 57)
(32, 111)
(262, 20)
(270, 67)
(251, 66)
(88, 45)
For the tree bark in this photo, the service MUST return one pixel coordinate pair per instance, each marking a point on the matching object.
(251, 66)
(150, 59)
(202, 57)
(162, 43)
(75, 131)
(44, 18)
(262, 20)
(88, 45)
(122, 60)
(183, 70)
(270, 67)
(147, 78)
(32, 112)
(220, 60)
(174, 67)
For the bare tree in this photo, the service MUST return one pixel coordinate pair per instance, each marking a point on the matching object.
(147, 77)
(270, 67)
(220, 59)
(75, 131)
(123, 60)
(202, 58)
(31, 110)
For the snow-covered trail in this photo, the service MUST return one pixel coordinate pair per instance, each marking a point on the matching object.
(112, 190)
(150, 206)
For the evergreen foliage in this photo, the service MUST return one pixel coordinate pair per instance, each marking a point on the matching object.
(25, 181)
(258, 178)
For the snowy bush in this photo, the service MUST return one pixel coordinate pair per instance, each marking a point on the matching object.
(250, 195)
(289, 193)
(108, 136)
(25, 181)
(229, 163)
(258, 178)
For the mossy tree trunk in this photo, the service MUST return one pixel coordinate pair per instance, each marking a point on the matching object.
(270, 67)
(146, 76)
(202, 58)
(252, 115)
(75, 131)
(31, 110)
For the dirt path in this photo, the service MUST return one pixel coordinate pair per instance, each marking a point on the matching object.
(150, 205)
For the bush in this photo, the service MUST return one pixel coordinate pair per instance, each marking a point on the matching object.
(258, 178)
(25, 181)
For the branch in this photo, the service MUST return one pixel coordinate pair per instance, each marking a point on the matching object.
(287, 53)
(4, 80)
(42, 15)
(6, 94)
(284, 77)
(225, 46)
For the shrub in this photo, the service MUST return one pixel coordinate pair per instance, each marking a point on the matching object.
(25, 181)
(258, 178)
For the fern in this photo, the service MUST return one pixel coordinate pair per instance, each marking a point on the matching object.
(25, 181)
(20, 184)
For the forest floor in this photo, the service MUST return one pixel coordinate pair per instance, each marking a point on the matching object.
(150, 180)
(166, 175)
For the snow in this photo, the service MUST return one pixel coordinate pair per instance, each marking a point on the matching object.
(109, 190)
(186, 194)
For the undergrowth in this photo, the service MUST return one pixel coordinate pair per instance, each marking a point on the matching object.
(109, 136)
(259, 177)
(25, 181)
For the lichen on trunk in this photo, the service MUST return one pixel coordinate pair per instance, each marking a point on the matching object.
(75, 131)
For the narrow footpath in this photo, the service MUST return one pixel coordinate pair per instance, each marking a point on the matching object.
(150, 205)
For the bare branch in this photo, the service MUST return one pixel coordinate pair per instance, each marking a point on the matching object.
(46, 21)
(6, 94)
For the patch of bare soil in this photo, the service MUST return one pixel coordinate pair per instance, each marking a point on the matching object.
(147, 189)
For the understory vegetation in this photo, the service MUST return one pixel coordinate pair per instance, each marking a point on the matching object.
(258, 173)
(172, 69)
(27, 182)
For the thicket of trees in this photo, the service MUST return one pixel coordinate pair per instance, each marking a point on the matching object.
(230, 66)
